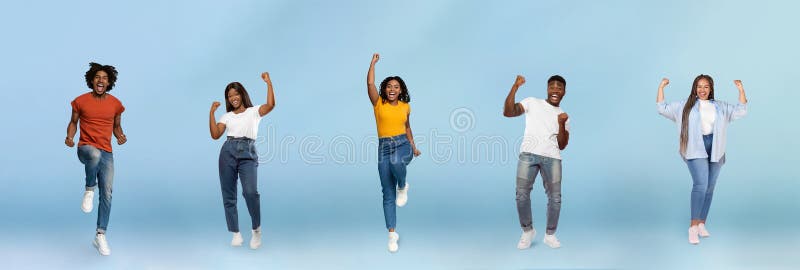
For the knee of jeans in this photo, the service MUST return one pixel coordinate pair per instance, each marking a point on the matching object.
(554, 197)
(700, 188)
(523, 194)
(250, 194)
(107, 193)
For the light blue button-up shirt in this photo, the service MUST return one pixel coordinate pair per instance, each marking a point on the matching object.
(695, 148)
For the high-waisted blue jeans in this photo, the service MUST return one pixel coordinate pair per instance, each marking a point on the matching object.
(238, 159)
(394, 154)
(704, 178)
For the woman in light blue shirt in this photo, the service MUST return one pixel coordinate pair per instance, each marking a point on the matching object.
(702, 125)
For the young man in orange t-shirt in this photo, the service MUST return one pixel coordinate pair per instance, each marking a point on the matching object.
(99, 114)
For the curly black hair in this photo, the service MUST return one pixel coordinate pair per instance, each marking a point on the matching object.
(404, 96)
(94, 68)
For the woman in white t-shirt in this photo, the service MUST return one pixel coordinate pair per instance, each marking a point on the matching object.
(702, 124)
(238, 157)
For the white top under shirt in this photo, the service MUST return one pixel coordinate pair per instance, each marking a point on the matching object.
(708, 113)
(244, 124)
(541, 128)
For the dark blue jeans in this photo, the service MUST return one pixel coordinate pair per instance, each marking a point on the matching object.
(99, 167)
(394, 154)
(704, 178)
(238, 159)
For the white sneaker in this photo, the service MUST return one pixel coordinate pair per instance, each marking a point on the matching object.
(237, 240)
(86, 204)
(393, 238)
(693, 235)
(402, 196)
(702, 230)
(551, 241)
(101, 244)
(526, 239)
(255, 240)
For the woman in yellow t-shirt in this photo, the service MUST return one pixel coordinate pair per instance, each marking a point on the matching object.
(396, 145)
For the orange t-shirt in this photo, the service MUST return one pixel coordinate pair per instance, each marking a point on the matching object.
(97, 119)
(391, 119)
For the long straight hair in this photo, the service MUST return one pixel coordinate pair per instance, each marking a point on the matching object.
(239, 88)
(688, 109)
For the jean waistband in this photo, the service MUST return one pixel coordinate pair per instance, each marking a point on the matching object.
(393, 138)
(231, 138)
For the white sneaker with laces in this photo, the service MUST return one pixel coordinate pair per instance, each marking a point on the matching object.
(526, 239)
(237, 240)
(86, 204)
(255, 240)
(702, 230)
(393, 238)
(402, 196)
(101, 244)
(693, 235)
(551, 241)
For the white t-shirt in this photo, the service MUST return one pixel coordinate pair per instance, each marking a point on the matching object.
(708, 114)
(541, 128)
(244, 124)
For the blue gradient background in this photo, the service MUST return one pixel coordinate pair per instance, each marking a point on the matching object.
(626, 191)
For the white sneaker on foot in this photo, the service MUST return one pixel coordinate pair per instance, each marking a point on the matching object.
(86, 204)
(237, 240)
(393, 238)
(101, 244)
(702, 230)
(551, 241)
(255, 240)
(526, 239)
(402, 196)
(693, 235)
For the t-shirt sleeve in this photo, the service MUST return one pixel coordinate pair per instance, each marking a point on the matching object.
(566, 125)
(120, 108)
(255, 112)
(224, 119)
(526, 103)
(75, 105)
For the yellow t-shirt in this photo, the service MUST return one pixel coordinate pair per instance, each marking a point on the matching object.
(391, 119)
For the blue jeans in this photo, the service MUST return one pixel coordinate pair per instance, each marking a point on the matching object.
(99, 167)
(238, 159)
(394, 154)
(704, 177)
(527, 168)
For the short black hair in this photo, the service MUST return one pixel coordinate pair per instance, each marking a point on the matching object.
(557, 78)
(94, 68)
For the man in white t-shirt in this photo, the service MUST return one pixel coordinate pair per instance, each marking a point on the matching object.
(546, 134)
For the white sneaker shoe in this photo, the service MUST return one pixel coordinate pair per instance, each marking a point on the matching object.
(237, 240)
(86, 204)
(526, 239)
(402, 196)
(693, 235)
(551, 241)
(702, 230)
(255, 240)
(101, 244)
(393, 238)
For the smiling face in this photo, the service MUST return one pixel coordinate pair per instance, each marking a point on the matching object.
(703, 89)
(234, 98)
(393, 90)
(555, 92)
(100, 82)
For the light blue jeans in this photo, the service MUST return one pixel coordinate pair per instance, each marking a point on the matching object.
(550, 168)
(704, 177)
(99, 167)
(394, 154)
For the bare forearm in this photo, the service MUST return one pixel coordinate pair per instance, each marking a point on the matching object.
(118, 131)
(72, 128)
(660, 96)
(563, 137)
(742, 97)
(509, 106)
(212, 125)
(410, 137)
